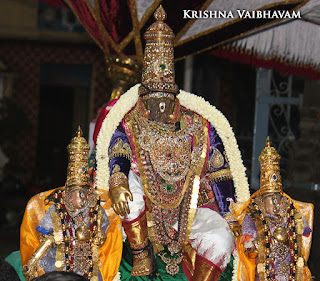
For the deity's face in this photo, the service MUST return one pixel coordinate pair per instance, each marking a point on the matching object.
(271, 203)
(78, 197)
(160, 109)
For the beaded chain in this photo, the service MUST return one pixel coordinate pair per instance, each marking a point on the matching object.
(269, 270)
(69, 235)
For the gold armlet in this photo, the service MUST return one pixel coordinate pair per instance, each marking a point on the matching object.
(221, 175)
(120, 148)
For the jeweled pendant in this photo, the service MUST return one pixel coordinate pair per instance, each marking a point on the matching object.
(172, 268)
(281, 234)
(174, 247)
(83, 233)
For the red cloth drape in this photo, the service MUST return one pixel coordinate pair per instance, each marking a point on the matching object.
(84, 15)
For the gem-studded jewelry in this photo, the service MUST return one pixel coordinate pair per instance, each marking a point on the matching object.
(276, 245)
(172, 264)
(161, 151)
(79, 244)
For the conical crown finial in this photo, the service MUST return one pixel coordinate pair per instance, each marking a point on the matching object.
(268, 142)
(160, 14)
(79, 132)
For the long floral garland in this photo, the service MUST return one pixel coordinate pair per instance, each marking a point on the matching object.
(109, 125)
(222, 126)
(236, 263)
(195, 103)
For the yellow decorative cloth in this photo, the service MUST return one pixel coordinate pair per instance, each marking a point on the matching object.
(109, 254)
(247, 266)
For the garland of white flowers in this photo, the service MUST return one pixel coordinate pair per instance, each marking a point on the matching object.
(221, 124)
(109, 125)
(236, 263)
(195, 103)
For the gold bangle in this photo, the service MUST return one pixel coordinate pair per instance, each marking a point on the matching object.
(118, 179)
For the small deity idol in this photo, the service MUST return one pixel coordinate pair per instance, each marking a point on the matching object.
(73, 228)
(276, 230)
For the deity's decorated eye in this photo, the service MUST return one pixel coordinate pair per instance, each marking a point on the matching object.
(274, 177)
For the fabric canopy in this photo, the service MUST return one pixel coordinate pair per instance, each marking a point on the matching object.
(118, 26)
(289, 46)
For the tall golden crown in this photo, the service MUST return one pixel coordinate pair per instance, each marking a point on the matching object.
(158, 64)
(270, 178)
(78, 166)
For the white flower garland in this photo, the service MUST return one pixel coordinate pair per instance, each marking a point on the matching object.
(195, 103)
(221, 124)
(236, 263)
(109, 125)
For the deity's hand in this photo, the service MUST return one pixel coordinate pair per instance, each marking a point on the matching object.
(31, 269)
(235, 227)
(30, 272)
(119, 194)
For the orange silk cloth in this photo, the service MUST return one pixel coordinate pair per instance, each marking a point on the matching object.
(109, 254)
(247, 266)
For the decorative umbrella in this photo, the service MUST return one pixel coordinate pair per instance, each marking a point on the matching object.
(118, 26)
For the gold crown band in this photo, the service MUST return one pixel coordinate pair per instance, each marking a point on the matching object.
(270, 178)
(78, 166)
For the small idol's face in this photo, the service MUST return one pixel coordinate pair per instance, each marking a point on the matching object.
(159, 109)
(272, 203)
(78, 197)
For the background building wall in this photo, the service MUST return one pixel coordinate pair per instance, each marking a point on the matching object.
(24, 60)
(18, 15)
